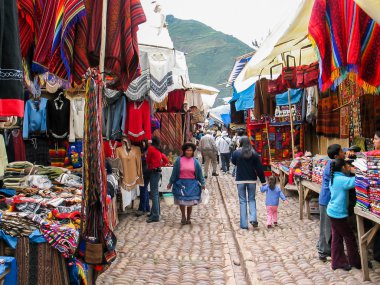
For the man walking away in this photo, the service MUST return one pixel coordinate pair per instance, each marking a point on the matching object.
(209, 151)
(223, 145)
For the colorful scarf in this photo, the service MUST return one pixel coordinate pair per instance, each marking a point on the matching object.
(346, 40)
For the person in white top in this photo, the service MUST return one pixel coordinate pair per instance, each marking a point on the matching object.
(209, 152)
(224, 144)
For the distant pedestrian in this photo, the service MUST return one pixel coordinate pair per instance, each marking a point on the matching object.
(273, 195)
(209, 151)
(248, 168)
(187, 180)
(223, 145)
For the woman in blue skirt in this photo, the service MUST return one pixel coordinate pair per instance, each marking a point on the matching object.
(187, 181)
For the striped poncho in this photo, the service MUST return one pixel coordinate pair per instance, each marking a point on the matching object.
(346, 40)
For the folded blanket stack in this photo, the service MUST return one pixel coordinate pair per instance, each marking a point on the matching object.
(319, 165)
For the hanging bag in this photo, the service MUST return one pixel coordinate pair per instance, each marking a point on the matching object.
(275, 86)
(307, 75)
(289, 78)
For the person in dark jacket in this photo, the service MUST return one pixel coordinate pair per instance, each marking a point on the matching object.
(248, 168)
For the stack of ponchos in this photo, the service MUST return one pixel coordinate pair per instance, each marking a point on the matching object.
(15, 174)
(319, 165)
(362, 190)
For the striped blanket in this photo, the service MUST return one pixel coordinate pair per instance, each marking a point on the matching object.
(346, 40)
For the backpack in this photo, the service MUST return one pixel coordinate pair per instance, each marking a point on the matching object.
(233, 146)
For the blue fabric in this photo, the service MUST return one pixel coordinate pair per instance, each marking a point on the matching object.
(226, 118)
(243, 190)
(248, 169)
(338, 205)
(34, 117)
(8, 192)
(154, 182)
(245, 99)
(10, 262)
(295, 97)
(37, 237)
(9, 240)
(198, 172)
(211, 122)
(272, 196)
(187, 190)
(72, 268)
(325, 195)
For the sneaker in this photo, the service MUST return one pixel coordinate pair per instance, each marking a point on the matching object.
(215, 174)
(269, 226)
(139, 213)
(151, 221)
(254, 224)
(345, 267)
(323, 258)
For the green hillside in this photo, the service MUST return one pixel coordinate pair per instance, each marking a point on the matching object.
(210, 54)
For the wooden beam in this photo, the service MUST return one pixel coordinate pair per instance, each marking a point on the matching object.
(103, 39)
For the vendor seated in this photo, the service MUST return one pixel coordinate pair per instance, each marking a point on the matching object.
(298, 152)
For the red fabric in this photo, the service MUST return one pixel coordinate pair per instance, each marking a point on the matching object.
(155, 159)
(26, 25)
(122, 54)
(138, 123)
(19, 147)
(11, 107)
(176, 99)
(107, 145)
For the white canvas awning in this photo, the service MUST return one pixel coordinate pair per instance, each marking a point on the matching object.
(203, 89)
(371, 7)
(288, 38)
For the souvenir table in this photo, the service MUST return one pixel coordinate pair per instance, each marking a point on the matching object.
(305, 188)
(365, 238)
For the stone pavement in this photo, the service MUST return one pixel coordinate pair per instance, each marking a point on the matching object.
(285, 254)
(214, 250)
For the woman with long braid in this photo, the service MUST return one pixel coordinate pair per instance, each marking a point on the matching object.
(337, 210)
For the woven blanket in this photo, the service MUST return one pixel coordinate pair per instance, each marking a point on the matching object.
(11, 75)
(347, 41)
(328, 121)
(140, 86)
(161, 75)
(181, 78)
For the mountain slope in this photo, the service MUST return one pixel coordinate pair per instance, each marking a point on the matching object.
(210, 54)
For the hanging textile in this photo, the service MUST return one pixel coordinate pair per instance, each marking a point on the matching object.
(11, 75)
(171, 132)
(237, 117)
(139, 87)
(26, 23)
(122, 52)
(295, 97)
(161, 75)
(94, 201)
(245, 99)
(347, 41)
(328, 121)
(369, 107)
(176, 99)
(138, 124)
(181, 78)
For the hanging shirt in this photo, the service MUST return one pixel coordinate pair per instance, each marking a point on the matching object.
(34, 117)
(58, 117)
(138, 124)
(76, 118)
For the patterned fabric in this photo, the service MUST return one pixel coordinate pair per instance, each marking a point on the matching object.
(141, 85)
(328, 121)
(26, 25)
(369, 112)
(37, 151)
(122, 54)
(347, 41)
(355, 123)
(40, 264)
(171, 132)
(11, 75)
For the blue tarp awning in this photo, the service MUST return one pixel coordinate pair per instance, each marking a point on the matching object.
(244, 99)
(295, 97)
(226, 118)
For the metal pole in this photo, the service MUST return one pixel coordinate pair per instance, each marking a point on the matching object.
(291, 122)
(103, 39)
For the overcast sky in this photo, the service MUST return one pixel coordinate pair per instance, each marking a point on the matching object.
(244, 19)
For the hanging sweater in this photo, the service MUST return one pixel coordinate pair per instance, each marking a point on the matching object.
(114, 116)
(34, 117)
(132, 167)
(138, 125)
(58, 117)
(76, 118)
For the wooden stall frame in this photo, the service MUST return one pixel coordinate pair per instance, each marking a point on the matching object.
(365, 238)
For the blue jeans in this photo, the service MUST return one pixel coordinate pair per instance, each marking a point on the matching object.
(144, 196)
(243, 189)
(154, 182)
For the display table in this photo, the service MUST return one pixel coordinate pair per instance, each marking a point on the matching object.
(365, 238)
(305, 188)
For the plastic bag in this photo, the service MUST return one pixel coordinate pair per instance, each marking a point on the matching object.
(205, 196)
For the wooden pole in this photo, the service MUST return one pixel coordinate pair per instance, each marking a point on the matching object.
(291, 122)
(270, 155)
(103, 39)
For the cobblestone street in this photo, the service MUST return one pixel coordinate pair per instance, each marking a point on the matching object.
(214, 250)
